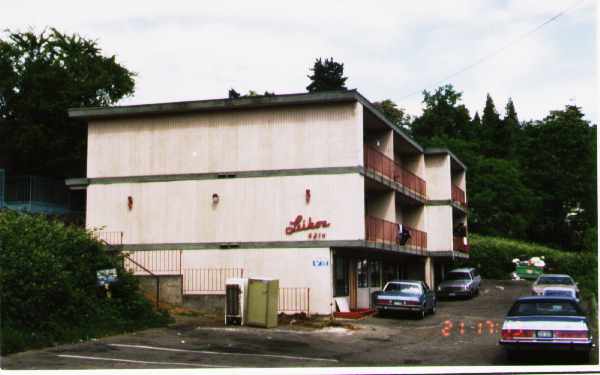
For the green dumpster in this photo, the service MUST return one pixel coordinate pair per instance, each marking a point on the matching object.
(528, 271)
(263, 296)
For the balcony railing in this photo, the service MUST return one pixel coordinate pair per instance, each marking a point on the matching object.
(378, 162)
(458, 196)
(459, 244)
(386, 232)
(114, 238)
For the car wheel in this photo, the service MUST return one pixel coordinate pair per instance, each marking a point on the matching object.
(421, 314)
(585, 357)
(433, 308)
(511, 355)
(381, 313)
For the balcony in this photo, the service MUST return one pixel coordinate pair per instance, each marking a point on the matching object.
(459, 196)
(459, 245)
(386, 232)
(381, 164)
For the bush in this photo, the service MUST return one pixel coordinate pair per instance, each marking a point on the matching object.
(493, 256)
(48, 286)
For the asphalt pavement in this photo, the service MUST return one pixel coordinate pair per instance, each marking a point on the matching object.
(462, 332)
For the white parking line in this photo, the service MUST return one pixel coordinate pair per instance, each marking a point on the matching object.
(134, 361)
(224, 353)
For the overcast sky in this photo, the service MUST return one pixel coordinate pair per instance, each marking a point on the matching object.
(184, 50)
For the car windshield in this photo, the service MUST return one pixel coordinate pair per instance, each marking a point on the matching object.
(556, 280)
(458, 276)
(555, 308)
(404, 288)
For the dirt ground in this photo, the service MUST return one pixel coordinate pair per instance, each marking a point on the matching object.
(462, 332)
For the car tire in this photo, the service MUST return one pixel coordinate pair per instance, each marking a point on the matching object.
(585, 357)
(421, 314)
(433, 308)
(511, 355)
(381, 313)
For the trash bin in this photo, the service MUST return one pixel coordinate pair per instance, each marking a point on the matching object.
(528, 271)
(263, 297)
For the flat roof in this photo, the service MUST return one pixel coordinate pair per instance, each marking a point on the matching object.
(436, 151)
(247, 102)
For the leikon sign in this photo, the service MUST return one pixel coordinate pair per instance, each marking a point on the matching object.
(299, 225)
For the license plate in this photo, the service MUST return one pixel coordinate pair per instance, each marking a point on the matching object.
(544, 334)
(451, 294)
(397, 302)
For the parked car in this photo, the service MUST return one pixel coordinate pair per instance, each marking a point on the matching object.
(460, 282)
(405, 295)
(557, 284)
(561, 292)
(546, 323)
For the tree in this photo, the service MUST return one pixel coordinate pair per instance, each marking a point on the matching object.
(233, 94)
(41, 76)
(558, 159)
(395, 115)
(327, 75)
(443, 116)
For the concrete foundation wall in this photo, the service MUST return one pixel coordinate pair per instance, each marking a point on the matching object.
(295, 268)
(214, 303)
(169, 288)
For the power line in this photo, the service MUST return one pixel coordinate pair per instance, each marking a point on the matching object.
(498, 51)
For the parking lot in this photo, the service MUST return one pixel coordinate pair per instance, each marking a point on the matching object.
(462, 332)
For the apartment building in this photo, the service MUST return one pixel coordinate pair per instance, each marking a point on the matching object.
(317, 190)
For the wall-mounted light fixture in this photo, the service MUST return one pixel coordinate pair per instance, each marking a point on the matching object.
(307, 196)
(215, 198)
(129, 202)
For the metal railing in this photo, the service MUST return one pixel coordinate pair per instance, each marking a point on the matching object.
(294, 301)
(126, 258)
(386, 232)
(208, 280)
(113, 238)
(459, 245)
(161, 262)
(380, 163)
(459, 196)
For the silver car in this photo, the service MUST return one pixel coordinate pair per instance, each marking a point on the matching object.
(555, 285)
(463, 282)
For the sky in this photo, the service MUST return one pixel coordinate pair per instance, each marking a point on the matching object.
(193, 50)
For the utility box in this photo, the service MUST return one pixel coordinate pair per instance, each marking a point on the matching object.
(235, 300)
(263, 297)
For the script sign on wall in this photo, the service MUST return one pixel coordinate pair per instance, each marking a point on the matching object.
(299, 224)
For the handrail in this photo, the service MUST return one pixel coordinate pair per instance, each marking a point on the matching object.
(379, 162)
(126, 255)
(386, 232)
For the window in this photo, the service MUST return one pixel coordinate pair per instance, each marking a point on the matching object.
(340, 276)
(361, 273)
(375, 274)
(405, 288)
(458, 276)
(556, 308)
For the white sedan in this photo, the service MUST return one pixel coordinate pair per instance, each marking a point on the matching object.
(546, 323)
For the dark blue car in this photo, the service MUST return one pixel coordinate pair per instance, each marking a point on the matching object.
(405, 295)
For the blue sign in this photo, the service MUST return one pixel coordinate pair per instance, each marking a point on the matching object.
(320, 263)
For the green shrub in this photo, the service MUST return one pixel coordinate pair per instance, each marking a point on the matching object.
(494, 255)
(48, 286)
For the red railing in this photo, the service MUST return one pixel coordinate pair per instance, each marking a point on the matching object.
(294, 300)
(458, 195)
(386, 232)
(160, 262)
(208, 280)
(378, 162)
(109, 238)
(459, 244)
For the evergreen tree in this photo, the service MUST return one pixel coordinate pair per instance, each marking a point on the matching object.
(395, 115)
(490, 124)
(233, 94)
(327, 75)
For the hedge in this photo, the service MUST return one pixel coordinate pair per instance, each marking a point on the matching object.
(493, 257)
(48, 286)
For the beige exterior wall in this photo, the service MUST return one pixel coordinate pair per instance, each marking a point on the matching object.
(438, 224)
(382, 205)
(249, 209)
(460, 179)
(437, 172)
(414, 217)
(415, 164)
(382, 141)
(243, 140)
(293, 267)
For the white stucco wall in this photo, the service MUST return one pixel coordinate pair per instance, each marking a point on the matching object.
(438, 224)
(250, 209)
(242, 140)
(293, 267)
(437, 172)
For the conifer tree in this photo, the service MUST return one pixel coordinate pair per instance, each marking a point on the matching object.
(327, 75)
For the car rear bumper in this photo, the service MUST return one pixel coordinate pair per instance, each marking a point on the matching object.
(411, 308)
(453, 293)
(549, 345)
